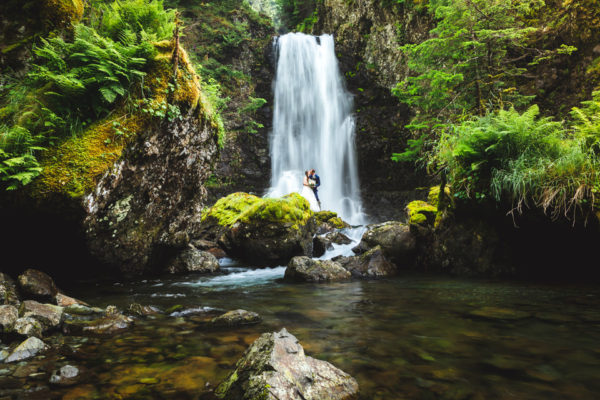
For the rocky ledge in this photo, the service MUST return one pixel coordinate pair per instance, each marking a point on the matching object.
(275, 367)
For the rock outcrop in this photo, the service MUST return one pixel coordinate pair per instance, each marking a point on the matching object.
(150, 203)
(262, 231)
(305, 269)
(396, 240)
(371, 264)
(8, 316)
(275, 367)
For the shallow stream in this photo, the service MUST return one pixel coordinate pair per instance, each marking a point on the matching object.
(410, 337)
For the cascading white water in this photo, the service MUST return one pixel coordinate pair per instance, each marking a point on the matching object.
(313, 125)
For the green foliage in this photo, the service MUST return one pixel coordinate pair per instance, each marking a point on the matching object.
(299, 14)
(74, 82)
(524, 159)
(134, 21)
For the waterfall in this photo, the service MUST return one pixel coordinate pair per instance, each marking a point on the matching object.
(313, 125)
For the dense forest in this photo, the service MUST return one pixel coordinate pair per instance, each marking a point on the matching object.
(168, 195)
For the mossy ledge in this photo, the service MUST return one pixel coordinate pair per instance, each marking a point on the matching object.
(73, 167)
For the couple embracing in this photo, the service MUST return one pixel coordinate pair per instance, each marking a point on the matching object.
(310, 183)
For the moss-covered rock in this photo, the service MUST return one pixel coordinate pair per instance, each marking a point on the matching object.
(397, 242)
(247, 208)
(61, 13)
(263, 231)
(421, 213)
(327, 221)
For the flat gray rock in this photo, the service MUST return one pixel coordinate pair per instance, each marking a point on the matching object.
(27, 349)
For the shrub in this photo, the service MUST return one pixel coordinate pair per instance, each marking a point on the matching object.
(522, 158)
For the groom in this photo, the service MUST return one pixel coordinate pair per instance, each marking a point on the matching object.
(313, 175)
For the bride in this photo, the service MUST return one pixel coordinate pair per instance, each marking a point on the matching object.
(308, 193)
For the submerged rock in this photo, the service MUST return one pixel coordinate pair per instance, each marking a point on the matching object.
(8, 290)
(27, 349)
(37, 284)
(305, 269)
(49, 315)
(275, 367)
(236, 318)
(8, 316)
(396, 241)
(193, 260)
(372, 264)
(141, 310)
(263, 231)
(65, 376)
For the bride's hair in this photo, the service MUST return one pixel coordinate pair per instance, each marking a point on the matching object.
(306, 173)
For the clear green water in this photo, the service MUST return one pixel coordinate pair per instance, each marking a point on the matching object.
(412, 337)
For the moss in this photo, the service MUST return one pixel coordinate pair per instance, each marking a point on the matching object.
(420, 212)
(330, 217)
(74, 167)
(244, 207)
(61, 13)
(433, 197)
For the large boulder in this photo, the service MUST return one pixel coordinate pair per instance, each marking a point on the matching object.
(305, 269)
(49, 315)
(397, 242)
(37, 284)
(372, 264)
(8, 290)
(193, 260)
(262, 231)
(275, 367)
(8, 316)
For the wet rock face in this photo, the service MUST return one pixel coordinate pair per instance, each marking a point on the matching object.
(149, 205)
(8, 290)
(372, 264)
(397, 242)
(275, 367)
(305, 269)
(37, 284)
(363, 31)
(193, 260)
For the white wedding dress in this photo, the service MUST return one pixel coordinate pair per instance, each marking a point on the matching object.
(309, 195)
